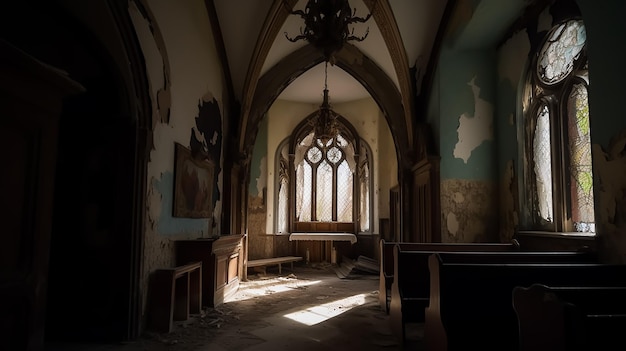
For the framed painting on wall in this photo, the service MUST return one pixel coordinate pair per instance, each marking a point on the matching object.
(193, 185)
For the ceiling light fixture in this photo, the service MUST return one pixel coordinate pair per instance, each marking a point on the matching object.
(324, 122)
(326, 25)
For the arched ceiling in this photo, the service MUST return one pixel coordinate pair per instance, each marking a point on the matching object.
(242, 23)
(400, 44)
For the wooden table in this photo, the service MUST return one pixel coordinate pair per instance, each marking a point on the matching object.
(326, 240)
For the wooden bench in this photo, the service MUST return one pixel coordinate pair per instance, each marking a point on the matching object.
(386, 270)
(410, 291)
(264, 262)
(175, 293)
(471, 303)
(570, 317)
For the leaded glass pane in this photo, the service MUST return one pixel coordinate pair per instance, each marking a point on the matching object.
(324, 205)
(303, 197)
(580, 159)
(364, 188)
(344, 193)
(314, 155)
(556, 59)
(543, 164)
(283, 206)
(334, 154)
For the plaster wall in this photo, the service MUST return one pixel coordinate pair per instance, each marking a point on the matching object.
(466, 106)
(468, 211)
(512, 60)
(388, 162)
(186, 39)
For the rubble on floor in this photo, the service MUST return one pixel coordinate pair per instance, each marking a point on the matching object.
(350, 269)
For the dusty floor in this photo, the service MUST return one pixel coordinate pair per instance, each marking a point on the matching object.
(309, 308)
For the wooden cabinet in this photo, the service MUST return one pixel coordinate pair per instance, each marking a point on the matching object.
(222, 265)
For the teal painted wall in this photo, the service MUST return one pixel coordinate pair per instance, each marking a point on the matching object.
(433, 113)
(259, 155)
(606, 27)
(512, 64)
(169, 225)
(456, 98)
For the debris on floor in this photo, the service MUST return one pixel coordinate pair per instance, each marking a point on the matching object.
(351, 269)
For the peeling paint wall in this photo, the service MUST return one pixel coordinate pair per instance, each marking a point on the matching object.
(610, 197)
(259, 244)
(466, 104)
(511, 69)
(186, 40)
(606, 26)
(476, 128)
(468, 211)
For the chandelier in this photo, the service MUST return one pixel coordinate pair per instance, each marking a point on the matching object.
(326, 28)
(324, 122)
(326, 25)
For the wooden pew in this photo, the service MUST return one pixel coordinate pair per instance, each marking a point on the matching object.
(386, 270)
(410, 290)
(570, 317)
(413, 296)
(471, 303)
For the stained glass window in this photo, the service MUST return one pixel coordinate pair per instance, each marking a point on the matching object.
(543, 164)
(580, 159)
(283, 192)
(560, 195)
(326, 177)
(364, 188)
(331, 182)
(556, 59)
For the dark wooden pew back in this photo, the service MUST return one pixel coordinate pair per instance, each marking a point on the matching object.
(410, 290)
(387, 259)
(471, 303)
(570, 317)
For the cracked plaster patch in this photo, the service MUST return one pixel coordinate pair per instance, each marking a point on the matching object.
(475, 218)
(610, 202)
(610, 168)
(452, 223)
(458, 198)
(510, 66)
(473, 131)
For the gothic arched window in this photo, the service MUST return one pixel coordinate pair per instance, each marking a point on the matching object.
(558, 171)
(331, 182)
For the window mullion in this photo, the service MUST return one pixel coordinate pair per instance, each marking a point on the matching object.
(334, 201)
(559, 194)
(314, 192)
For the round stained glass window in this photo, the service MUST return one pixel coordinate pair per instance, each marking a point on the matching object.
(334, 154)
(564, 45)
(314, 155)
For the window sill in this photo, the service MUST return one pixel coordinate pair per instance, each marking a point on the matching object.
(542, 240)
(560, 235)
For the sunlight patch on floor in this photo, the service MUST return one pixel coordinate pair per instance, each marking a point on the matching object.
(317, 314)
(250, 290)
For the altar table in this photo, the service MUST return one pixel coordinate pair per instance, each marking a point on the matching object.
(327, 238)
